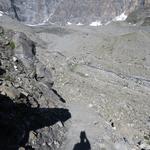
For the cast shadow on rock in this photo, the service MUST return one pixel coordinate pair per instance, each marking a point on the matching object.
(60, 97)
(17, 120)
(84, 142)
(2, 71)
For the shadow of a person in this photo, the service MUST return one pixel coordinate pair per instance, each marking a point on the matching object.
(84, 142)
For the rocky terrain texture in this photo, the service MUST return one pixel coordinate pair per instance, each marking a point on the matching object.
(140, 16)
(103, 74)
(63, 11)
(31, 113)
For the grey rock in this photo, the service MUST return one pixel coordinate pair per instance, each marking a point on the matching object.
(140, 16)
(21, 148)
(10, 92)
(60, 124)
(75, 11)
(43, 74)
(25, 93)
(32, 137)
(1, 30)
(24, 50)
(24, 105)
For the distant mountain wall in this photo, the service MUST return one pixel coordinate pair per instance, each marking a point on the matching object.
(63, 11)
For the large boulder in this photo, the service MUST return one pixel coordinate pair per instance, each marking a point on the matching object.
(139, 16)
(24, 50)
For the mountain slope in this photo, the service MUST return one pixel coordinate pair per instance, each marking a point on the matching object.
(63, 11)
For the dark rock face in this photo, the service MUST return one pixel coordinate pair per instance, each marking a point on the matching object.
(29, 113)
(62, 11)
(18, 120)
(140, 16)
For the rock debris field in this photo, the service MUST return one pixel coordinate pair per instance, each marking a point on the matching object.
(74, 87)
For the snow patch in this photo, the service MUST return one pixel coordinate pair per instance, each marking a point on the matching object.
(1, 13)
(121, 17)
(34, 25)
(79, 24)
(107, 23)
(96, 23)
(69, 23)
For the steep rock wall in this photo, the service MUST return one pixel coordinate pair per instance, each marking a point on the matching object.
(63, 11)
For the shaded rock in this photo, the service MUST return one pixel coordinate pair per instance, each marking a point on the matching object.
(17, 120)
(25, 50)
(21, 148)
(146, 21)
(25, 107)
(25, 93)
(43, 75)
(1, 30)
(10, 92)
(32, 137)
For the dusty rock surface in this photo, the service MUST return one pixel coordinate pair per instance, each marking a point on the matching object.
(32, 115)
(63, 11)
(103, 74)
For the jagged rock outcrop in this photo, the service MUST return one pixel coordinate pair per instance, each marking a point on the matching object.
(63, 11)
(31, 114)
(140, 16)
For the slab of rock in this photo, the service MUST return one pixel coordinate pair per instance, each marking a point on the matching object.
(10, 92)
(24, 50)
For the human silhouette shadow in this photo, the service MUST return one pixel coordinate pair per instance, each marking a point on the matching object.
(17, 120)
(84, 142)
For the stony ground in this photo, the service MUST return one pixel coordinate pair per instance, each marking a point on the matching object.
(103, 74)
(32, 114)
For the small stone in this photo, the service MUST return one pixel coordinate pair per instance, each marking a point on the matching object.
(44, 144)
(10, 92)
(114, 128)
(3, 93)
(24, 93)
(16, 85)
(145, 146)
(102, 146)
(96, 122)
(21, 148)
(60, 124)
(6, 42)
(32, 137)
(49, 144)
(16, 68)
(86, 75)
(1, 30)
(57, 144)
(130, 125)
(15, 59)
(90, 105)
